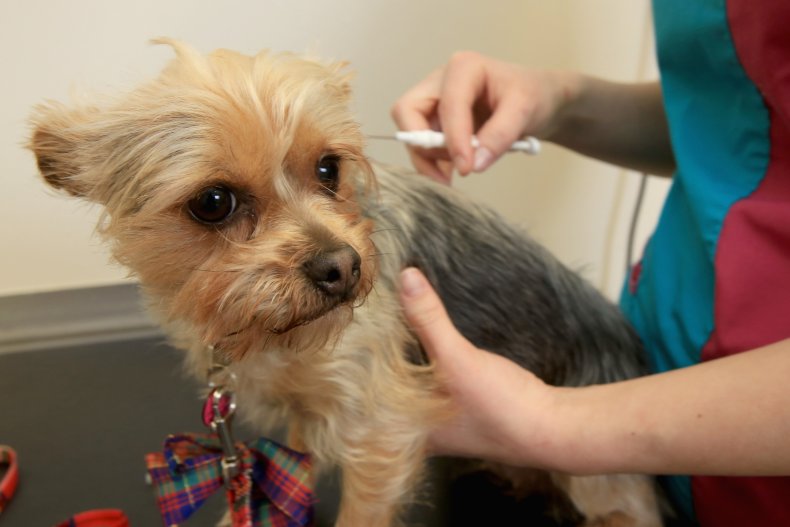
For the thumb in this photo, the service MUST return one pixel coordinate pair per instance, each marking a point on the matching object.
(426, 314)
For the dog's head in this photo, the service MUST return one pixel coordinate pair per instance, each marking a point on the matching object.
(229, 185)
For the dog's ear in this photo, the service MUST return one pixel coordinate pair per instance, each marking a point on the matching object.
(341, 77)
(58, 141)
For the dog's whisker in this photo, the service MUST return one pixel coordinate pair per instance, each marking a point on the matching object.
(244, 328)
(228, 240)
(334, 194)
(215, 270)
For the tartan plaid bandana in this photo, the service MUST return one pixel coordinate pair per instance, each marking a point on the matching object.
(272, 488)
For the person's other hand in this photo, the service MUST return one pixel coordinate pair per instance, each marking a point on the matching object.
(499, 404)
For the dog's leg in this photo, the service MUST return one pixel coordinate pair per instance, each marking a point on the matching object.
(375, 484)
(619, 500)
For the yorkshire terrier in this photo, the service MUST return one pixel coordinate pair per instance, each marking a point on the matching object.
(236, 189)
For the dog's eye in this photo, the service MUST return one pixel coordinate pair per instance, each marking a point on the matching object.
(212, 205)
(328, 172)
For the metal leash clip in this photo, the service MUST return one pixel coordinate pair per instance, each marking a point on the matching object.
(218, 411)
(217, 414)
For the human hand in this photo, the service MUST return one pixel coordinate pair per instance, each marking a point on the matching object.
(499, 101)
(500, 406)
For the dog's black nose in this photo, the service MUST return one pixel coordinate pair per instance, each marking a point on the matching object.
(336, 273)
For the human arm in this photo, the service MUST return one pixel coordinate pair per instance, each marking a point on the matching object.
(501, 102)
(730, 416)
(725, 417)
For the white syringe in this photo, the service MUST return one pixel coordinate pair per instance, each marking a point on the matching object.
(434, 139)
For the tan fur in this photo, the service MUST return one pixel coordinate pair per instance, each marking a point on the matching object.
(259, 125)
(617, 500)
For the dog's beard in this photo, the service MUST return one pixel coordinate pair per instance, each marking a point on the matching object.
(307, 318)
(305, 335)
(251, 314)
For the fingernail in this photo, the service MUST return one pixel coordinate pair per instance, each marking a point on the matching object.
(412, 282)
(483, 157)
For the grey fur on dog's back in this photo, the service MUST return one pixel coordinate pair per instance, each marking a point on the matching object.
(503, 291)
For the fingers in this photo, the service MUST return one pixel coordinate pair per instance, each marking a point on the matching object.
(426, 315)
(430, 166)
(416, 110)
(501, 101)
(463, 83)
(445, 98)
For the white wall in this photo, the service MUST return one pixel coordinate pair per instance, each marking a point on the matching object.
(50, 48)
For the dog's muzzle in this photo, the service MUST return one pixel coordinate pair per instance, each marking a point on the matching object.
(335, 273)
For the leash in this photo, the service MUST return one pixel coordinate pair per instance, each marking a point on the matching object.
(97, 518)
(10, 480)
